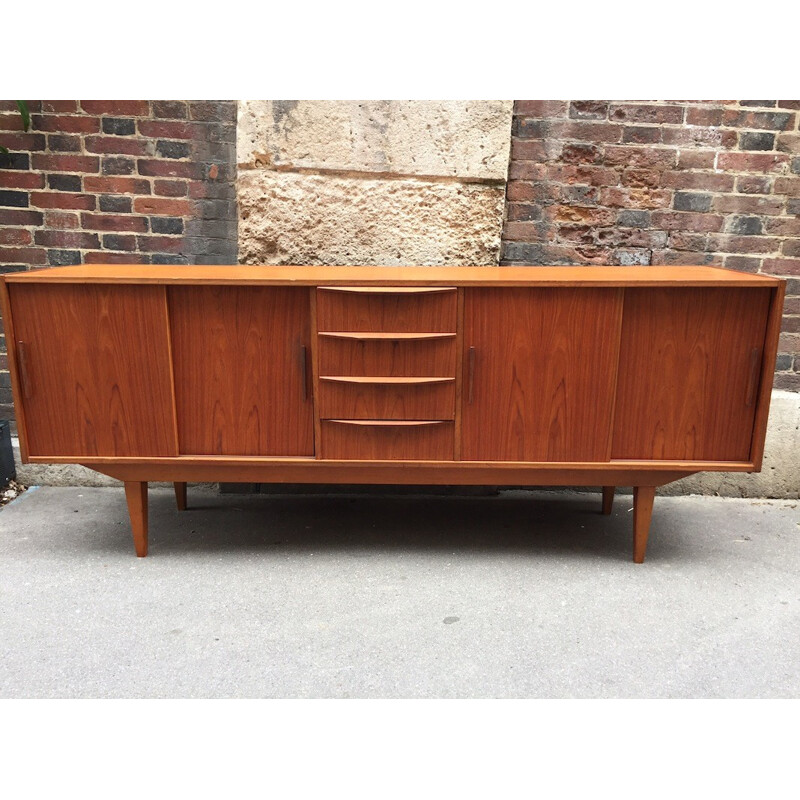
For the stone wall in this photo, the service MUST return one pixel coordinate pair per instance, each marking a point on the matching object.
(373, 182)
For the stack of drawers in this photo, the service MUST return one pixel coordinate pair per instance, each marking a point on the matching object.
(386, 372)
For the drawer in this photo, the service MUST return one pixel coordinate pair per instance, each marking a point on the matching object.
(373, 440)
(420, 354)
(400, 309)
(376, 398)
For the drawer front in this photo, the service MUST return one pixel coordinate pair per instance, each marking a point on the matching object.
(382, 441)
(412, 401)
(401, 310)
(344, 355)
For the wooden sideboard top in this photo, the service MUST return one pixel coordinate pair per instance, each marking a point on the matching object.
(397, 276)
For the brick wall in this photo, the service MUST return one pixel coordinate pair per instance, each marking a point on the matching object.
(661, 182)
(117, 181)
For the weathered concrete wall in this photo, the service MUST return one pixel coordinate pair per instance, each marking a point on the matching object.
(373, 182)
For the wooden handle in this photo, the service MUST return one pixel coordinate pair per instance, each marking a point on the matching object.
(390, 423)
(752, 383)
(471, 374)
(304, 367)
(22, 362)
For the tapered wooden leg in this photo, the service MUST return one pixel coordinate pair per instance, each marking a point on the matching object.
(136, 495)
(180, 495)
(608, 498)
(643, 497)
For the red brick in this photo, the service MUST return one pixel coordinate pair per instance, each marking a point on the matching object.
(751, 162)
(687, 221)
(65, 163)
(684, 240)
(781, 266)
(787, 381)
(705, 117)
(533, 150)
(743, 263)
(634, 134)
(747, 204)
(786, 226)
(67, 239)
(21, 216)
(168, 168)
(83, 202)
(685, 258)
(526, 171)
(656, 114)
(156, 129)
(696, 159)
(161, 244)
(118, 145)
(18, 179)
(527, 231)
(114, 222)
(583, 215)
(594, 176)
(789, 104)
(164, 207)
(10, 122)
(741, 244)
(61, 220)
(15, 236)
(700, 137)
(128, 108)
(582, 153)
(705, 181)
(790, 186)
(788, 143)
(541, 108)
(592, 131)
(522, 190)
(753, 184)
(641, 177)
(22, 255)
(63, 106)
(760, 120)
(635, 197)
(116, 185)
(119, 242)
(105, 257)
(791, 305)
(791, 247)
(170, 188)
(641, 156)
(27, 142)
(66, 124)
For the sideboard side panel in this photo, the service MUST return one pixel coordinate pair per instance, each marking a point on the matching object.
(539, 373)
(689, 369)
(238, 361)
(97, 369)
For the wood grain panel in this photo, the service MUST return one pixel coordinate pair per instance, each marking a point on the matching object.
(415, 401)
(401, 311)
(539, 383)
(690, 361)
(240, 384)
(392, 441)
(97, 369)
(398, 357)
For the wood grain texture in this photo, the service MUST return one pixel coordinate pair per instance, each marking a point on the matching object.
(685, 364)
(543, 374)
(239, 370)
(766, 378)
(387, 312)
(98, 370)
(180, 494)
(136, 497)
(412, 401)
(608, 499)
(14, 370)
(343, 439)
(239, 275)
(391, 357)
(643, 497)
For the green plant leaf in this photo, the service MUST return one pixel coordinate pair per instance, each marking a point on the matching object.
(3, 149)
(25, 114)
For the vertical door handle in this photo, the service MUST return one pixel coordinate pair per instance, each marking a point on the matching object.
(304, 367)
(24, 377)
(752, 383)
(470, 375)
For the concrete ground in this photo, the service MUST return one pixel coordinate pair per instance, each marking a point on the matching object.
(527, 594)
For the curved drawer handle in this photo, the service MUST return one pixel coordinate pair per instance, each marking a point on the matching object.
(24, 377)
(755, 361)
(388, 423)
(471, 379)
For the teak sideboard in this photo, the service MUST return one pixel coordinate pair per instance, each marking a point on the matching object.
(602, 376)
